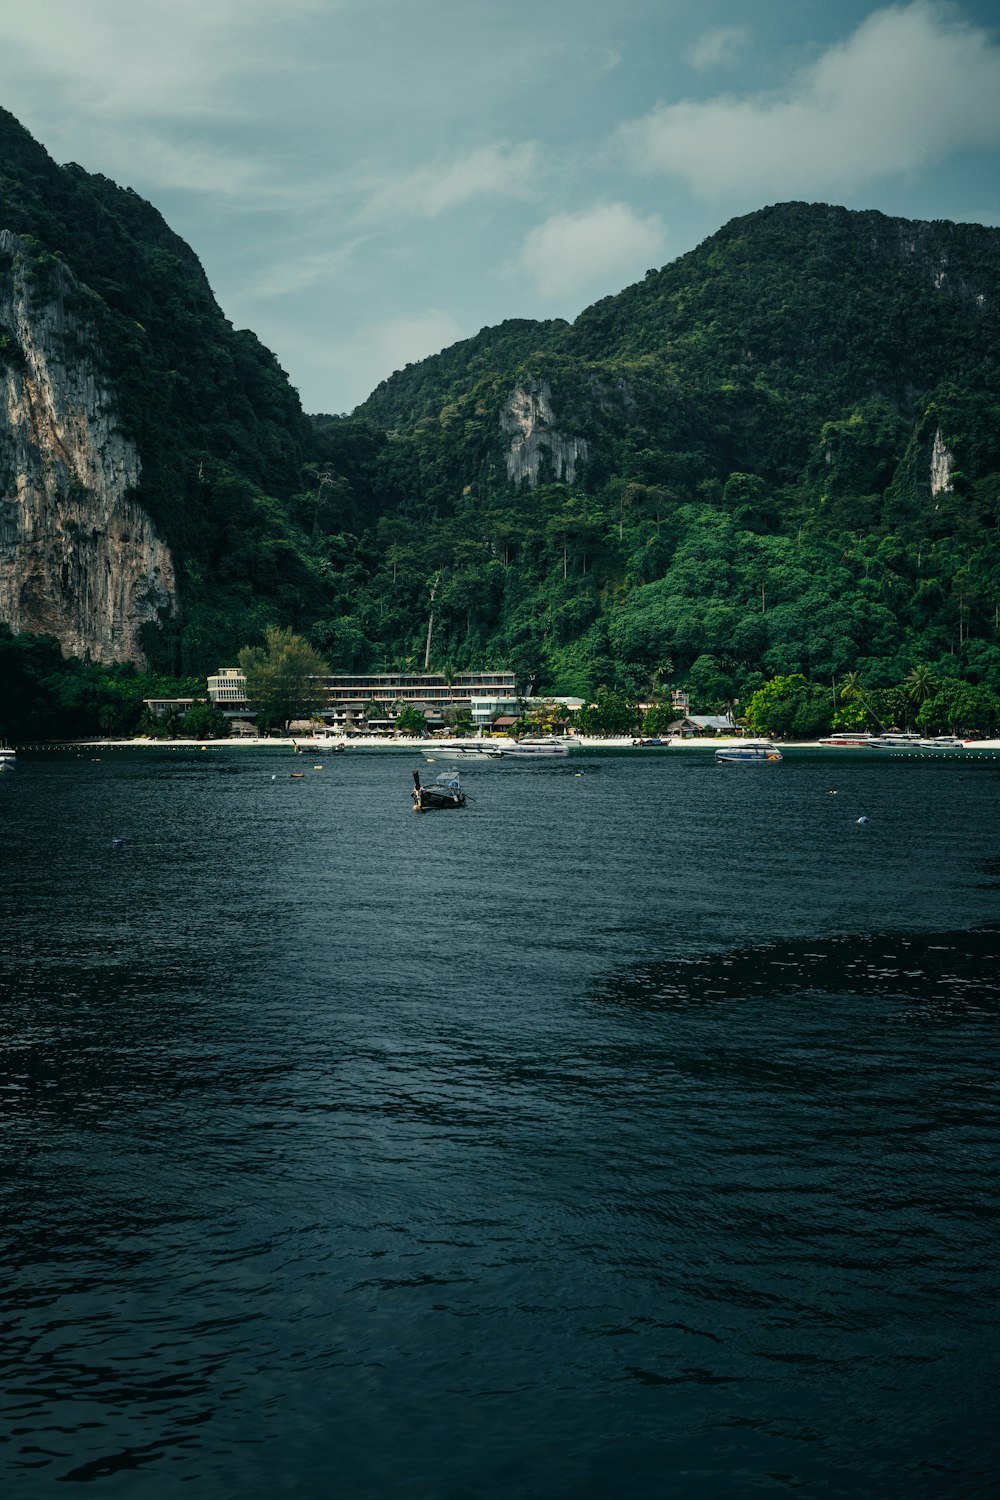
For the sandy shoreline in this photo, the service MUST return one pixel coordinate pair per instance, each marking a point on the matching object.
(427, 746)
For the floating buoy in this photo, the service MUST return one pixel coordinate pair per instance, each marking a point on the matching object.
(832, 792)
(317, 768)
(297, 775)
(862, 819)
(274, 778)
(118, 843)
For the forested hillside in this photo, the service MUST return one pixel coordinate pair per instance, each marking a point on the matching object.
(792, 441)
(219, 430)
(777, 456)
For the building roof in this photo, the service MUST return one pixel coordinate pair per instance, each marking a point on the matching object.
(701, 721)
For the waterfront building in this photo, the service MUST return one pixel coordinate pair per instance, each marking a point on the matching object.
(227, 690)
(162, 708)
(484, 693)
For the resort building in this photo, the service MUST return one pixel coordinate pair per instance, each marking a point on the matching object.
(162, 708)
(484, 693)
(228, 690)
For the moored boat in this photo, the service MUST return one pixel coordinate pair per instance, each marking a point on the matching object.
(445, 792)
(8, 758)
(325, 743)
(943, 742)
(896, 740)
(756, 752)
(534, 748)
(471, 751)
(849, 741)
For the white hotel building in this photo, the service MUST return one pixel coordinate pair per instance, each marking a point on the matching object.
(485, 693)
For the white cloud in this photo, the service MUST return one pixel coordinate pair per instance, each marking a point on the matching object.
(717, 47)
(607, 244)
(117, 58)
(292, 273)
(506, 171)
(913, 84)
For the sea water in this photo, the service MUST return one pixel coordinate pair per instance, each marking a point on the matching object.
(631, 1131)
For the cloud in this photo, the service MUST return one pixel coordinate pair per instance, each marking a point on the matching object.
(717, 48)
(506, 171)
(298, 270)
(166, 96)
(570, 253)
(913, 84)
(116, 58)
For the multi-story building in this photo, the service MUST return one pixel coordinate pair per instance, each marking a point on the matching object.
(484, 693)
(228, 690)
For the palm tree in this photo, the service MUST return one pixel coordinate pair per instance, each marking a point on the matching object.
(851, 687)
(662, 669)
(920, 685)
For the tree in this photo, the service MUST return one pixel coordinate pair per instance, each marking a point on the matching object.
(373, 710)
(612, 713)
(658, 719)
(920, 685)
(203, 721)
(458, 716)
(790, 706)
(411, 721)
(547, 718)
(959, 708)
(284, 677)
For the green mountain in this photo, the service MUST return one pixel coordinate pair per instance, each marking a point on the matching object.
(779, 454)
(219, 432)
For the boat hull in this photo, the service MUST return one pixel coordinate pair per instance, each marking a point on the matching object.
(443, 796)
(747, 757)
(535, 752)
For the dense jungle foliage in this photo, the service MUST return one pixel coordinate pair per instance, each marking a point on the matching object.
(761, 420)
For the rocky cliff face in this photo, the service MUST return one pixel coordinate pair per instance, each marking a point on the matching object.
(527, 420)
(942, 463)
(79, 558)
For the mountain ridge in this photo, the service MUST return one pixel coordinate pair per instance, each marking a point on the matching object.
(778, 453)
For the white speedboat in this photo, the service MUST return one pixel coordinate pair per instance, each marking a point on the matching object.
(848, 741)
(534, 749)
(8, 758)
(896, 741)
(462, 752)
(943, 742)
(756, 752)
(325, 744)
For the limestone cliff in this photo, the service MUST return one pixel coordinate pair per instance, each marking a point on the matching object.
(942, 463)
(527, 421)
(79, 558)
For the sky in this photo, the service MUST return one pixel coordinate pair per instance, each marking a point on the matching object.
(368, 181)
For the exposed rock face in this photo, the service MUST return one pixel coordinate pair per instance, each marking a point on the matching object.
(527, 419)
(942, 461)
(79, 558)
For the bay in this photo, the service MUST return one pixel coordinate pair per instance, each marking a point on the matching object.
(632, 1130)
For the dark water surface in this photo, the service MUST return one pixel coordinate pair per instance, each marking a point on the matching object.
(628, 1133)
